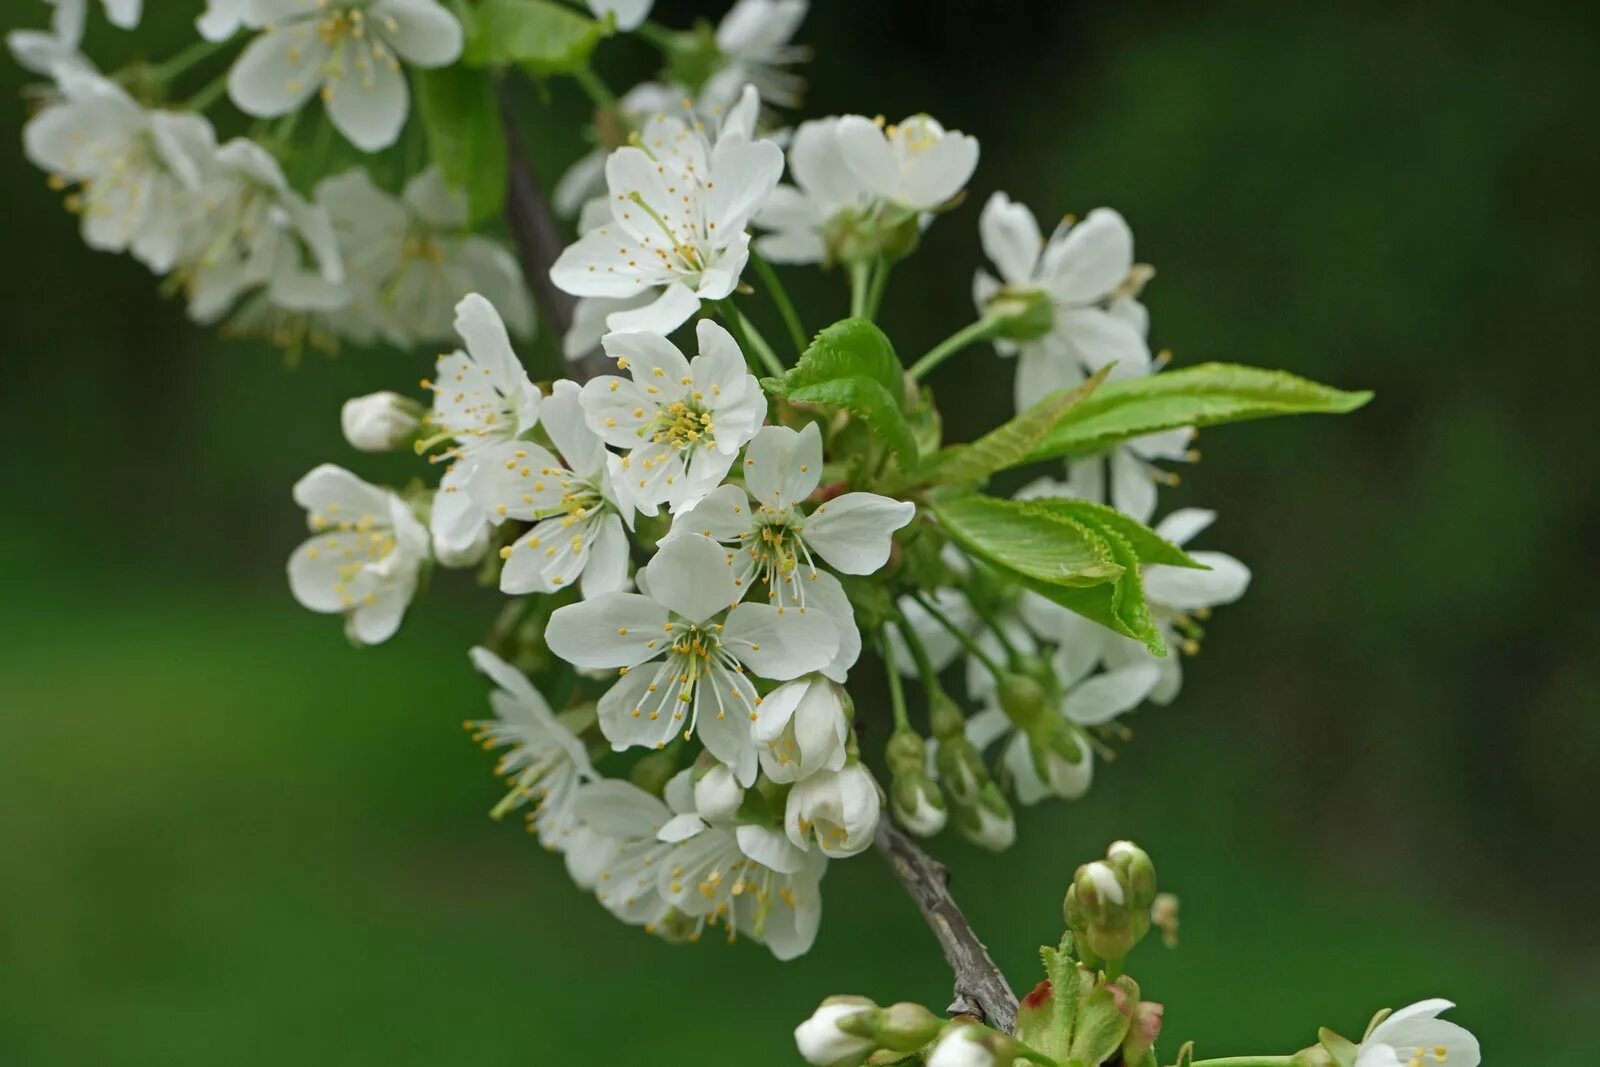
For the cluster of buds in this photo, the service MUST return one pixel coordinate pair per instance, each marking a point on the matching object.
(981, 811)
(844, 1031)
(1107, 907)
(916, 799)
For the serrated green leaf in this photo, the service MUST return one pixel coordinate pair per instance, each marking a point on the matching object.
(1206, 395)
(852, 365)
(542, 36)
(1012, 443)
(1087, 569)
(465, 137)
(1148, 545)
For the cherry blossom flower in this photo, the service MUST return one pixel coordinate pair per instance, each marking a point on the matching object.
(1415, 1036)
(836, 810)
(753, 40)
(801, 729)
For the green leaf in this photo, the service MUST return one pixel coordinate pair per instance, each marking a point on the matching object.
(852, 365)
(543, 36)
(1012, 443)
(1085, 567)
(1150, 546)
(1206, 395)
(465, 137)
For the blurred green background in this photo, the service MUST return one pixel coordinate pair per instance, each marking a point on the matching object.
(228, 838)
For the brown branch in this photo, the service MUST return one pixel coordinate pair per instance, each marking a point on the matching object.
(980, 988)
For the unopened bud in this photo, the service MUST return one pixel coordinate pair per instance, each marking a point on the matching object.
(1021, 314)
(1133, 863)
(1144, 1026)
(944, 716)
(380, 422)
(717, 794)
(900, 1027)
(971, 1045)
(823, 1043)
(1108, 904)
(918, 804)
(988, 823)
(961, 770)
(1022, 698)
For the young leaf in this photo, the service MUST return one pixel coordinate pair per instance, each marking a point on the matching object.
(1206, 395)
(1150, 546)
(465, 137)
(1011, 443)
(852, 365)
(543, 36)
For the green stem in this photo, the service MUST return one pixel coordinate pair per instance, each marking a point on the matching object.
(1012, 655)
(925, 671)
(972, 334)
(753, 341)
(198, 52)
(959, 634)
(859, 278)
(897, 696)
(780, 297)
(880, 280)
(209, 95)
(1244, 1061)
(590, 83)
(658, 35)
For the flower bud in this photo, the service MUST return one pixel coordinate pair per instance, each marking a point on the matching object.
(944, 717)
(717, 794)
(838, 808)
(918, 804)
(823, 1043)
(961, 770)
(971, 1045)
(1133, 863)
(1108, 904)
(1021, 698)
(455, 556)
(1021, 314)
(900, 1027)
(988, 823)
(380, 422)
(1144, 1026)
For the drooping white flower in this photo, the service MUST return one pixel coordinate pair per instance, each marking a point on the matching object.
(683, 648)
(680, 207)
(838, 810)
(1087, 274)
(349, 52)
(380, 422)
(857, 181)
(482, 397)
(801, 729)
(1415, 1036)
(823, 1044)
(628, 13)
(409, 260)
(578, 531)
(777, 542)
(753, 40)
(682, 421)
(247, 229)
(136, 169)
(1089, 702)
(224, 18)
(364, 555)
(995, 831)
(544, 764)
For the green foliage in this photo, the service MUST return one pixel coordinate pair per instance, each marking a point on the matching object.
(465, 138)
(1150, 546)
(1012, 443)
(1205, 395)
(852, 365)
(1085, 566)
(542, 36)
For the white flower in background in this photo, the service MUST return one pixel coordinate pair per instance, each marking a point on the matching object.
(823, 1044)
(545, 763)
(683, 648)
(682, 421)
(1133, 471)
(802, 728)
(586, 179)
(578, 532)
(1415, 1036)
(1090, 702)
(136, 170)
(717, 795)
(42, 51)
(409, 260)
(1087, 274)
(246, 229)
(852, 175)
(753, 39)
(628, 13)
(364, 555)
(380, 422)
(481, 398)
(224, 18)
(680, 206)
(349, 51)
(775, 538)
(838, 810)
(616, 851)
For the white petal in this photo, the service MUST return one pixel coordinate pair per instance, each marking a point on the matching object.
(681, 828)
(1097, 338)
(744, 173)
(868, 154)
(1186, 589)
(691, 576)
(675, 306)
(612, 630)
(824, 593)
(632, 714)
(480, 326)
(607, 570)
(277, 73)
(1133, 491)
(780, 643)
(1091, 259)
(1185, 524)
(652, 361)
(1040, 372)
(369, 108)
(423, 33)
(375, 622)
(619, 809)
(723, 515)
(936, 174)
(782, 467)
(1103, 697)
(725, 704)
(1010, 238)
(853, 532)
(337, 494)
(770, 848)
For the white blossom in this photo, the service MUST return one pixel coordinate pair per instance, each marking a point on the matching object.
(43, 51)
(364, 556)
(801, 729)
(247, 229)
(993, 831)
(585, 179)
(717, 795)
(753, 39)
(777, 542)
(683, 647)
(349, 52)
(1415, 1036)
(823, 1044)
(578, 530)
(682, 421)
(680, 205)
(224, 18)
(481, 398)
(962, 1046)
(380, 422)
(409, 260)
(136, 170)
(545, 762)
(923, 817)
(838, 810)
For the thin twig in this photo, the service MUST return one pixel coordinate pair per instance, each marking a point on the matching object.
(980, 988)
